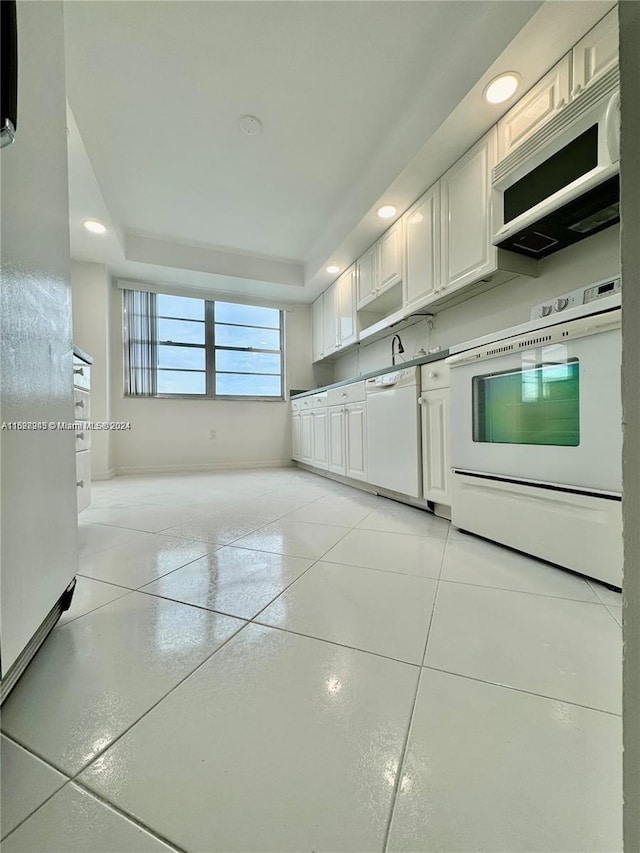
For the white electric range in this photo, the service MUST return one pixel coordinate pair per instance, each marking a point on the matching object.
(537, 433)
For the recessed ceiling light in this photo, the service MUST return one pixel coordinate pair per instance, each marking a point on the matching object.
(332, 268)
(251, 125)
(387, 211)
(94, 226)
(502, 88)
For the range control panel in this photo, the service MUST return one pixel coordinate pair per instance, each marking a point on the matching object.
(581, 296)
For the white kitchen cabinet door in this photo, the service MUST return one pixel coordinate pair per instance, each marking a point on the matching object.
(306, 437)
(356, 447)
(538, 106)
(346, 308)
(317, 321)
(467, 253)
(389, 261)
(596, 53)
(366, 277)
(330, 321)
(436, 449)
(337, 444)
(296, 418)
(422, 249)
(320, 439)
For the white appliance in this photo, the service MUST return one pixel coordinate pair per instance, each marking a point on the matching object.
(393, 431)
(562, 184)
(537, 433)
(38, 485)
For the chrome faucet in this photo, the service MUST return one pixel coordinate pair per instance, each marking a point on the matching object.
(393, 348)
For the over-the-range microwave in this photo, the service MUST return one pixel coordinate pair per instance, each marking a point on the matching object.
(562, 184)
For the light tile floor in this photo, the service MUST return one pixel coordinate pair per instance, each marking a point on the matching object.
(273, 661)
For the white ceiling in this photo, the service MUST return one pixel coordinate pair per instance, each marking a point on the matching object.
(349, 94)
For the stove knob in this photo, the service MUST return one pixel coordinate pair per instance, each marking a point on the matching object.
(545, 310)
(561, 304)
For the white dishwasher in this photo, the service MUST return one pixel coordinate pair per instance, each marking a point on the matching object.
(393, 431)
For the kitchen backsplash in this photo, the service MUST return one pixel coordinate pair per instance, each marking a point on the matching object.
(496, 309)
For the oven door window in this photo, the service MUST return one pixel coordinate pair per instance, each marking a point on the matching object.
(538, 403)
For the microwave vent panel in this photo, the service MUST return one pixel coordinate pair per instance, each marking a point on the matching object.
(608, 83)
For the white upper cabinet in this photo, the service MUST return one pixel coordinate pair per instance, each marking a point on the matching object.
(330, 321)
(540, 104)
(422, 249)
(467, 253)
(317, 321)
(346, 308)
(596, 53)
(366, 277)
(389, 261)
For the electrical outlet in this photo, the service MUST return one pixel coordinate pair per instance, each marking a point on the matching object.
(213, 434)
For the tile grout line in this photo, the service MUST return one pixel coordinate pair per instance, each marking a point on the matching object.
(522, 690)
(405, 747)
(124, 814)
(128, 816)
(158, 701)
(75, 779)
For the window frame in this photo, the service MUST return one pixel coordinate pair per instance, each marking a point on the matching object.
(210, 348)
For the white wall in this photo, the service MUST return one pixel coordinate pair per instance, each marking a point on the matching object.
(173, 435)
(630, 96)
(39, 525)
(498, 308)
(91, 292)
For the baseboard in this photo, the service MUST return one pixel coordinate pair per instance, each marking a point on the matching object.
(103, 475)
(195, 469)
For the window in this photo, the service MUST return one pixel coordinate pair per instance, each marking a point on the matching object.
(178, 345)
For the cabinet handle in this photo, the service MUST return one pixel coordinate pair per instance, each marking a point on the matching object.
(576, 90)
(80, 483)
(79, 436)
(80, 404)
(344, 394)
(421, 401)
(433, 374)
(78, 371)
(561, 103)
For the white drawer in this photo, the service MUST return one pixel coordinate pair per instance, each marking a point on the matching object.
(306, 403)
(81, 375)
(83, 479)
(82, 404)
(295, 405)
(434, 375)
(320, 400)
(83, 437)
(353, 393)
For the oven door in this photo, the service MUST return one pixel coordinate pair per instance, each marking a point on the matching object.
(543, 408)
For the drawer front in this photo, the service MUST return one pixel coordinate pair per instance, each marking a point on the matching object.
(295, 405)
(83, 437)
(81, 375)
(82, 404)
(353, 393)
(320, 401)
(306, 403)
(83, 479)
(434, 375)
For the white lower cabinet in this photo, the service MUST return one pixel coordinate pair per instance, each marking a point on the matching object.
(337, 440)
(355, 440)
(436, 452)
(435, 422)
(306, 437)
(347, 440)
(296, 435)
(320, 439)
